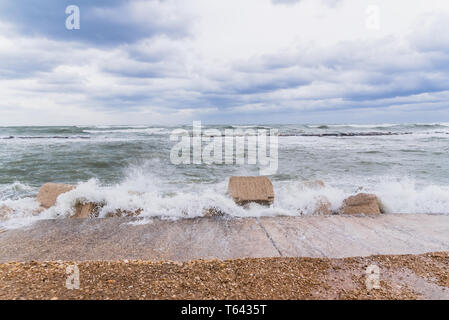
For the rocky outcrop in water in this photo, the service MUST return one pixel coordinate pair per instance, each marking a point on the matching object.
(361, 203)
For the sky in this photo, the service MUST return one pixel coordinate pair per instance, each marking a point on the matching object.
(171, 62)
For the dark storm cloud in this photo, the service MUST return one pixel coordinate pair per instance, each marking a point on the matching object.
(103, 22)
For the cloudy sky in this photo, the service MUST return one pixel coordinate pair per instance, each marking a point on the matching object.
(224, 61)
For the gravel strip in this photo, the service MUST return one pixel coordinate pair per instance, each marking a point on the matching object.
(252, 278)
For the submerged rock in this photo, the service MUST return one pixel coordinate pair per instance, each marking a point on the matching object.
(124, 213)
(49, 193)
(323, 206)
(92, 210)
(213, 212)
(86, 210)
(245, 190)
(5, 211)
(361, 203)
(314, 184)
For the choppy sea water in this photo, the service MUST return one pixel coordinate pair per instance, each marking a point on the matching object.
(129, 167)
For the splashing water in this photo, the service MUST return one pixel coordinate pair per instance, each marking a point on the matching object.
(129, 168)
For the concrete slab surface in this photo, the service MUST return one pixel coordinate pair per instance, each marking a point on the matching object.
(226, 238)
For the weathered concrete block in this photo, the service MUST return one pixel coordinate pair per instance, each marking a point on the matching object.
(361, 203)
(251, 189)
(49, 192)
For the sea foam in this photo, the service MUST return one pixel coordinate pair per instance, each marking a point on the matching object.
(293, 198)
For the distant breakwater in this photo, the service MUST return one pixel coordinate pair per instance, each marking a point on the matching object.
(45, 137)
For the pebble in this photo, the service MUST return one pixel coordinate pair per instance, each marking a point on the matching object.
(250, 278)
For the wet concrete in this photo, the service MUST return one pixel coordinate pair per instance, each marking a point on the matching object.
(348, 236)
(207, 238)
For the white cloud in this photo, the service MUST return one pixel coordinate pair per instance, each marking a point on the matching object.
(239, 58)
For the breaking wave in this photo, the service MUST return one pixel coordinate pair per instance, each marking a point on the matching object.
(130, 130)
(293, 198)
(134, 172)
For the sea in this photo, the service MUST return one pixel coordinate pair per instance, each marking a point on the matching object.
(130, 168)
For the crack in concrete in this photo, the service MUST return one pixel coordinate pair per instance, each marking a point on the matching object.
(330, 237)
(269, 237)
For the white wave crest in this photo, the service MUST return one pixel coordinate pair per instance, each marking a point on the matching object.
(130, 130)
(152, 199)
